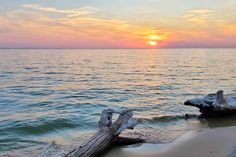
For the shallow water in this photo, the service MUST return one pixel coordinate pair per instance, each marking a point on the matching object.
(57, 95)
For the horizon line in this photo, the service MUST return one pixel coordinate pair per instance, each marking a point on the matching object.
(131, 48)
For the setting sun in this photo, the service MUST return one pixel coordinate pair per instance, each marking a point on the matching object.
(152, 43)
(152, 40)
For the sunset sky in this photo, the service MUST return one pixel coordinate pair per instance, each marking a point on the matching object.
(117, 23)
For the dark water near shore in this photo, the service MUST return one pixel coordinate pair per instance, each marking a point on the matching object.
(57, 95)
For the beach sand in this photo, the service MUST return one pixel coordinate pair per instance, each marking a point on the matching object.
(219, 142)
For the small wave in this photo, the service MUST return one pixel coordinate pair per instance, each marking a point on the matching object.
(17, 143)
(30, 68)
(163, 87)
(43, 126)
(54, 73)
(168, 118)
(36, 93)
(52, 150)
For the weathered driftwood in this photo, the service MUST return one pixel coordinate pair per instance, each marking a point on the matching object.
(213, 105)
(108, 134)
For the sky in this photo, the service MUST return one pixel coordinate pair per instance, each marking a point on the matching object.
(118, 24)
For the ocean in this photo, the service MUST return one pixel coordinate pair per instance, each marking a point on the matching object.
(51, 99)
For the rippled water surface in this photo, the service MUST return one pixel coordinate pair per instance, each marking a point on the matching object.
(57, 95)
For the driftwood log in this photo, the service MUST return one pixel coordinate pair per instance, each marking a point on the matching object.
(108, 134)
(215, 105)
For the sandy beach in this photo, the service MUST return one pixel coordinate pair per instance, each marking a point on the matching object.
(219, 142)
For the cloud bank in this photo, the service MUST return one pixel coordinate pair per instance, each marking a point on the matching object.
(37, 26)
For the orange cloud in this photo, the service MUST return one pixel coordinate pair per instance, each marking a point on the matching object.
(38, 26)
(81, 26)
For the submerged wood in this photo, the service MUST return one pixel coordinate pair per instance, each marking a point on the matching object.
(108, 134)
(213, 105)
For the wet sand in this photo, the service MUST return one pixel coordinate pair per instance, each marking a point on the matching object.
(219, 142)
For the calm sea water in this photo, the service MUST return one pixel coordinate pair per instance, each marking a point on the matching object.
(57, 95)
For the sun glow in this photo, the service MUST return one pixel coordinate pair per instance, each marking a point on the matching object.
(154, 37)
(152, 40)
(152, 43)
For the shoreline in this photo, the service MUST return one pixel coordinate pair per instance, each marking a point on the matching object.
(217, 142)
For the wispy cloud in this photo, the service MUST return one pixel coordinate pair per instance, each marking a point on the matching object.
(39, 26)
(70, 12)
(198, 16)
(81, 27)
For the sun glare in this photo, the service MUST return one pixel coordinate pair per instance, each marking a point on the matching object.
(152, 40)
(152, 43)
